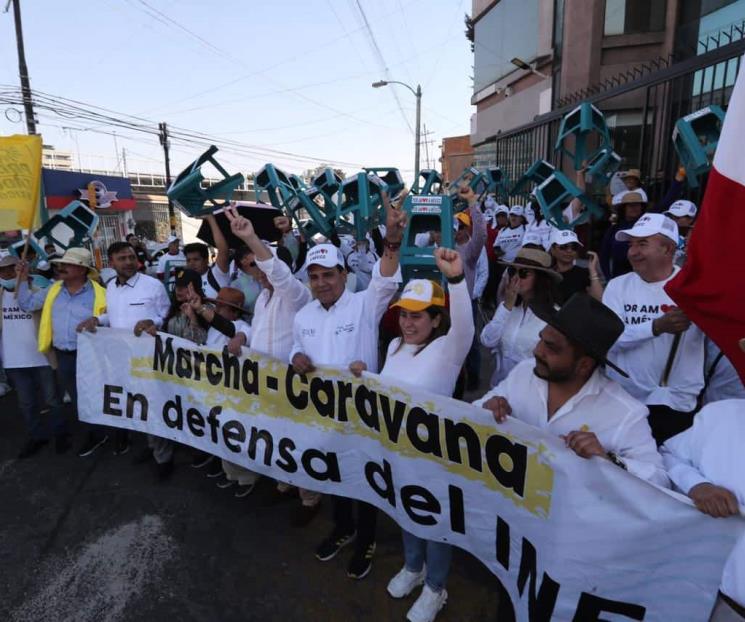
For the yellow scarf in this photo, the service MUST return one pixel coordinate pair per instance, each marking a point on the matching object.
(45, 325)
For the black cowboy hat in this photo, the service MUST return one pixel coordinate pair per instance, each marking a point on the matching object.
(587, 322)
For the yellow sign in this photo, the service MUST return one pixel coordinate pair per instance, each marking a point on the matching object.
(20, 181)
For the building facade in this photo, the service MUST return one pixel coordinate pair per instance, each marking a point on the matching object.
(536, 59)
(457, 154)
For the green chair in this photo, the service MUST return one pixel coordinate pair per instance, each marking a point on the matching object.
(276, 183)
(537, 173)
(695, 138)
(431, 182)
(360, 203)
(71, 227)
(192, 197)
(581, 124)
(554, 194)
(392, 179)
(497, 182)
(603, 164)
(425, 213)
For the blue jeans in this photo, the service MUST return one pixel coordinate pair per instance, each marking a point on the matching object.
(36, 387)
(437, 555)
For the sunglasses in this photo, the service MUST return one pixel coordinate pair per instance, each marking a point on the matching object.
(522, 273)
(572, 246)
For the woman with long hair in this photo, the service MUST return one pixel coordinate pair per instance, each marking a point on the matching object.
(513, 331)
(429, 354)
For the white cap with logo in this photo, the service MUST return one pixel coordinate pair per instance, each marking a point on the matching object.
(650, 224)
(517, 210)
(326, 255)
(682, 208)
(563, 236)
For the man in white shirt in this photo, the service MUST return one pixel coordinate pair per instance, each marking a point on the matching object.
(564, 390)
(361, 261)
(510, 238)
(197, 258)
(337, 328)
(661, 350)
(707, 462)
(134, 302)
(170, 260)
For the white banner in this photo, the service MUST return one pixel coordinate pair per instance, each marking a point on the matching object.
(568, 538)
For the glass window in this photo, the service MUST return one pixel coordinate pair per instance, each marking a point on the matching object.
(508, 30)
(633, 16)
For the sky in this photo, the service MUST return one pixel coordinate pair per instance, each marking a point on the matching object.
(290, 76)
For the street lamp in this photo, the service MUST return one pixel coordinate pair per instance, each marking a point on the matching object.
(521, 64)
(417, 137)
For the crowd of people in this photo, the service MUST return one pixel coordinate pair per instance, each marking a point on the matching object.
(585, 345)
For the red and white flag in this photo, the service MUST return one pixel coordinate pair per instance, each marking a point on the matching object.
(711, 286)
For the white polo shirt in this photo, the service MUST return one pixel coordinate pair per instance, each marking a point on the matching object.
(712, 451)
(601, 406)
(141, 298)
(348, 330)
(274, 312)
(644, 356)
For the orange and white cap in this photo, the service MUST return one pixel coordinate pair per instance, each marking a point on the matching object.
(419, 294)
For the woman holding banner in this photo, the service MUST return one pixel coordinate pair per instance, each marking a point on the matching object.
(430, 354)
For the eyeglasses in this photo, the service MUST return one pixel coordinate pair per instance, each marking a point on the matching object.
(522, 273)
(572, 246)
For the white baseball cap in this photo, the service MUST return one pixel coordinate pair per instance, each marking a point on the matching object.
(532, 237)
(650, 224)
(326, 255)
(517, 210)
(172, 238)
(563, 236)
(682, 208)
(501, 209)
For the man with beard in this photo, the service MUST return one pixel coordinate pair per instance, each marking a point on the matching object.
(565, 390)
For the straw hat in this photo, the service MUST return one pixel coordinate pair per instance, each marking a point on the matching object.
(78, 256)
(533, 259)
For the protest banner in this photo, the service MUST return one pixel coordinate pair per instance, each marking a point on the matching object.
(568, 538)
(20, 181)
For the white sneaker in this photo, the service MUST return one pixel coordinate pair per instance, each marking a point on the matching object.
(66, 399)
(427, 606)
(405, 581)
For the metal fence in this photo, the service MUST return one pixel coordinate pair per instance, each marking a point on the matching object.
(666, 95)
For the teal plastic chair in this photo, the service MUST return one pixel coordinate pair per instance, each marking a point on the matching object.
(276, 183)
(582, 123)
(474, 178)
(431, 182)
(34, 244)
(391, 178)
(497, 182)
(71, 227)
(360, 203)
(603, 164)
(192, 197)
(695, 138)
(554, 194)
(425, 213)
(537, 173)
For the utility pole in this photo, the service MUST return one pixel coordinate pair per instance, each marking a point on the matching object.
(23, 70)
(418, 137)
(124, 162)
(164, 141)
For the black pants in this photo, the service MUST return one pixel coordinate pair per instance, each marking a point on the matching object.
(367, 519)
(666, 422)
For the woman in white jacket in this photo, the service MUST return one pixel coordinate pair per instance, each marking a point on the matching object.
(430, 354)
(513, 331)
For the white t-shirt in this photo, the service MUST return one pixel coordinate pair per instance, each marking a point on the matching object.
(643, 356)
(220, 277)
(174, 260)
(217, 340)
(542, 230)
(712, 451)
(510, 241)
(19, 336)
(437, 366)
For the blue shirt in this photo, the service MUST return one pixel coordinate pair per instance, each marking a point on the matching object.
(68, 311)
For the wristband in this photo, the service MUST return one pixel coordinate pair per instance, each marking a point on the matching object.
(456, 279)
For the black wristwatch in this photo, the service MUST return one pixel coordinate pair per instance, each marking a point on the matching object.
(456, 279)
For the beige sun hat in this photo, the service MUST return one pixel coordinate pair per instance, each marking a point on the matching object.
(78, 257)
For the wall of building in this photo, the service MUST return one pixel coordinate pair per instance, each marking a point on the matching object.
(457, 154)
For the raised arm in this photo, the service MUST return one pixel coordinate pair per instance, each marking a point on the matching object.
(221, 244)
(460, 336)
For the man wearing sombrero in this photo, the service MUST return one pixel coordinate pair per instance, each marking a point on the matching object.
(74, 297)
(564, 390)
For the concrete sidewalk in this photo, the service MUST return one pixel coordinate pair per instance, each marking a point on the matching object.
(99, 539)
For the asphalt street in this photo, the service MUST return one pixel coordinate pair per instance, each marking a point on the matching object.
(99, 538)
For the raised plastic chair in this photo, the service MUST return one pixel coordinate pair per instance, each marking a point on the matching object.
(360, 203)
(71, 227)
(276, 183)
(582, 123)
(695, 138)
(497, 181)
(555, 193)
(192, 197)
(392, 179)
(603, 164)
(537, 173)
(425, 214)
(431, 182)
